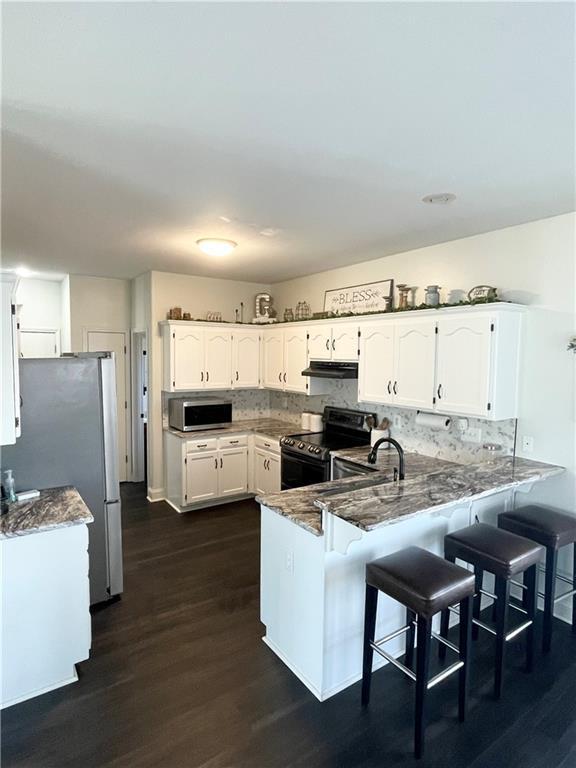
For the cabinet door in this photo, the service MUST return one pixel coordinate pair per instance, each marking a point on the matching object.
(261, 473)
(320, 342)
(246, 359)
(274, 475)
(376, 368)
(463, 365)
(10, 389)
(218, 359)
(233, 472)
(414, 357)
(345, 343)
(295, 359)
(273, 367)
(201, 477)
(188, 358)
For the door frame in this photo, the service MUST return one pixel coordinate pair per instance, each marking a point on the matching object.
(140, 379)
(55, 331)
(128, 389)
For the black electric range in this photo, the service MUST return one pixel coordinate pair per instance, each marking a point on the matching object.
(306, 456)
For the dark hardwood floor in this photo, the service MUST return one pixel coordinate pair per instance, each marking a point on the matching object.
(178, 676)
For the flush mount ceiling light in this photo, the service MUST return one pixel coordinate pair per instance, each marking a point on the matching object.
(215, 246)
(23, 272)
(441, 198)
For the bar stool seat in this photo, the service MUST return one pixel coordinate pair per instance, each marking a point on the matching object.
(425, 584)
(421, 581)
(505, 555)
(553, 530)
(499, 552)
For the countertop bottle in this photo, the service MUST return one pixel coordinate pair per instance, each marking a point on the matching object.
(9, 487)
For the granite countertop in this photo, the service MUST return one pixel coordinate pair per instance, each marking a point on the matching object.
(386, 460)
(54, 508)
(273, 428)
(370, 501)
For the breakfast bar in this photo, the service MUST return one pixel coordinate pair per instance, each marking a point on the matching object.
(316, 541)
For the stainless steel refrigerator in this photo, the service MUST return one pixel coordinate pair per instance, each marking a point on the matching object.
(69, 437)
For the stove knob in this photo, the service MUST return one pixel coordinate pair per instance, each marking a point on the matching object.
(312, 449)
(318, 450)
(300, 445)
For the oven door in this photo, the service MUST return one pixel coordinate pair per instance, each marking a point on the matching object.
(298, 471)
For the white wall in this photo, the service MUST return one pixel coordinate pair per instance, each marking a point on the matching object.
(99, 304)
(41, 303)
(196, 295)
(65, 329)
(532, 264)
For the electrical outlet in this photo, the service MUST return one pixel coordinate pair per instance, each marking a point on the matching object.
(472, 435)
(527, 444)
(397, 422)
(462, 425)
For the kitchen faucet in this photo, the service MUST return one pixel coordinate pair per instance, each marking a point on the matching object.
(374, 452)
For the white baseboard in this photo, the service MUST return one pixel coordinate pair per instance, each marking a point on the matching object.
(155, 494)
(40, 691)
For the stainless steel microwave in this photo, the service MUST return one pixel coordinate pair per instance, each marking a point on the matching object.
(198, 413)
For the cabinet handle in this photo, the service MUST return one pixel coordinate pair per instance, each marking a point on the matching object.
(215, 463)
(265, 463)
(267, 445)
(221, 463)
(389, 387)
(328, 344)
(333, 345)
(284, 378)
(237, 377)
(201, 375)
(394, 388)
(207, 376)
(439, 391)
(280, 377)
(234, 442)
(204, 445)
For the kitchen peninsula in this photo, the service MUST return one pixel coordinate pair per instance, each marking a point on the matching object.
(317, 539)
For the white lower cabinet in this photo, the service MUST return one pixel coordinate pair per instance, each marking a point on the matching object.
(233, 472)
(201, 477)
(266, 471)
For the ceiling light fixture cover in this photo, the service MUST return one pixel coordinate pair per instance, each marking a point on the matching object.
(23, 272)
(441, 198)
(215, 246)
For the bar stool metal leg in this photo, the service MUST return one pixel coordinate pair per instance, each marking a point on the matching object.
(424, 634)
(550, 583)
(479, 578)
(369, 630)
(465, 629)
(444, 622)
(410, 635)
(502, 591)
(530, 595)
(574, 587)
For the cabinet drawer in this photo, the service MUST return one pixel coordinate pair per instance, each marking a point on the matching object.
(234, 441)
(195, 446)
(267, 443)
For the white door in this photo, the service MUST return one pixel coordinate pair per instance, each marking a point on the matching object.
(376, 369)
(463, 365)
(39, 343)
(218, 357)
(414, 354)
(233, 472)
(246, 359)
(345, 343)
(273, 351)
(115, 341)
(295, 359)
(201, 477)
(188, 358)
(320, 343)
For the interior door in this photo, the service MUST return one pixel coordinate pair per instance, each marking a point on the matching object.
(218, 357)
(414, 353)
(345, 343)
(115, 341)
(246, 359)
(295, 359)
(376, 368)
(463, 365)
(273, 351)
(320, 342)
(233, 472)
(41, 343)
(188, 358)
(201, 476)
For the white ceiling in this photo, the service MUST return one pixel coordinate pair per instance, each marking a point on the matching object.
(131, 128)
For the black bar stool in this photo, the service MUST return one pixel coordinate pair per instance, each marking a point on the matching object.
(553, 530)
(425, 584)
(504, 555)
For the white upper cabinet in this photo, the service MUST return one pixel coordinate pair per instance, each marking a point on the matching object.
(376, 366)
(10, 386)
(273, 359)
(245, 359)
(187, 358)
(338, 342)
(414, 354)
(295, 359)
(217, 359)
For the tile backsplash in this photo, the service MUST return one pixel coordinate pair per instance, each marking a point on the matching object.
(441, 444)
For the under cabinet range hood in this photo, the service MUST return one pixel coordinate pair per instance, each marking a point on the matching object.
(326, 369)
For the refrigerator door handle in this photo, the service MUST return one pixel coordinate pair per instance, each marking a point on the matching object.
(110, 424)
(113, 511)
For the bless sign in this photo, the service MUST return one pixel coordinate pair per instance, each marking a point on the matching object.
(371, 297)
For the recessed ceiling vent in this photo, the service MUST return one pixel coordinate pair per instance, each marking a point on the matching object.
(441, 198)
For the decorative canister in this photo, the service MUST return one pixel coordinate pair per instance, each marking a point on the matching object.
(403, 294)
(316, 422)
(288, 315)
(305, 420)
(432, 298)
